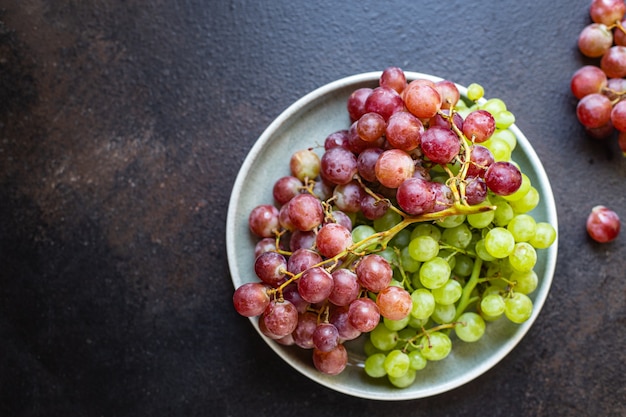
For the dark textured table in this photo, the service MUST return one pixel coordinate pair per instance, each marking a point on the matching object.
(122, 127)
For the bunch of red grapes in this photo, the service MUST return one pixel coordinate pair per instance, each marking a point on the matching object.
(600, 88)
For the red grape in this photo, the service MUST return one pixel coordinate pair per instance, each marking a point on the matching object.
(251, 299)
(503, 178)
(394, 302)
(594, 110)
(603, 224)
(440, 145)
(393, 167)
(587, 80)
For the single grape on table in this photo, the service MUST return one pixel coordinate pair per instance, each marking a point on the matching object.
(411, 228)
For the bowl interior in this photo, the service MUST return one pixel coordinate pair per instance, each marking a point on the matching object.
(305, 124)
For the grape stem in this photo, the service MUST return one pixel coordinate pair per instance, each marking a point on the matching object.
(466, 298)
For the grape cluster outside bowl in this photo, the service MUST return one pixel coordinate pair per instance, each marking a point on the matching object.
(305, 124)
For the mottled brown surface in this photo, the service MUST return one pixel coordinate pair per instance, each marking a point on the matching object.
(122, 128)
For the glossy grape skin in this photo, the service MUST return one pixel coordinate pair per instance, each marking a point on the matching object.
(338, 139)
(363, 314)
(618, 116)
(384, 101)
(332, 362)
(503, 178)
(371, 126)
(263, 220)
(478, 126)
(356, 103)
(305, 212)
(338, 165)
(404, 131)
(366, 163)
(594, 40)
(332, 239)
(303, 333)
(471, 327)
(394, 303)
(315, 284)
(280, 318)
(348, 197)
(394, 78)
(603, 224)
(480, 159)
(305, 164)
(449, 93)
(374, 272)
(594, 110)
(393, 167)
(440, 145)
(325, 337)
(270, 267)
(415, 196)
(345, 287)
(518, 307)
(607, 11)
(339, 317)
(251, 299)
(422, 99)
(613, 62)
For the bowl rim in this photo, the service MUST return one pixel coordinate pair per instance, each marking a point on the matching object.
(540, 296)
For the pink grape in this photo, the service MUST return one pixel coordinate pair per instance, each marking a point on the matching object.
(339, 217)
(302, 259)
(357, 145)
(440, 145)
(303, 333)
(450, 94)
(338, 139)
(332, 362)
(393, 167)
(443, 196)
(607, 11)
(284, 219)
(363, 314)
(356, 103)
(305, 212)
(332, 239)
(371, 126)
(503, 178)
(291, 294)
(587, 80)
(339, 316)
(618, 116)
(345, 287)
(480, 159)
(479, 125)
(441, 121)
(373, 208)
(366, 163)
(422, 99)
(613, 62)
(251, 299)
(338, 165)
(285, 188)
(374, 272)
(415, 196)
(384, 101)
(348, 197)
(326, 337)
(301, 240)
(404, 131)
(475, 190)
(394, 302)
(594, 40)
(315, 284)
(280, 318)
(594, 110)
(603, 224)
(263, 220)
(394, 78)
(264, 245)
(270, 267)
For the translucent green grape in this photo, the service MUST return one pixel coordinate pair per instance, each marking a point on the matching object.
(518, 307)
(409, 264)
(544, 237)
(522, 227)
(396, 363)
(374, 365)
(475, 91)
(435, 346)
(492, 304)
(471, 327)
(417, 360)
(464, 265)
(499, 242)
(382, 338)
(525, 282)
(451, 221)
(434, 273)
(526, 203)
(524, 257)
(403, 381)
(443, 313)
(458, 236)
(521, 191)
(449, 293)
(426, 229)
(423, 304)
(423, 248)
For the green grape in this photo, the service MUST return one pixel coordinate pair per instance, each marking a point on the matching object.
(526, 203)
(518, 307)
(434, 273)
(544, 237)
(482, 253)
(395, 325)
(361, 232)
(521, 191)
(503, 213)
(522, 227)
(435, 346)
(409, 264)
(415, 280)
(494, 105)
(464, 265)
(443, 313)
(481, 220)
(499, 149)
(450, 257)
(396, 363)
(387, 221)
(507, 136)
(369, 349)
(448, 293)
(423, 248)
(426, 229)
(416, 323)
(389, 254)
(373, 365)
(451, 221)
(382, 338)
(417, 360)
(499, 242)
(471, 327)
(423, 304)
(459, 236)
(504, 119)
(475, 91)
(403, 381)
(492, 304)
(525, 282)
(401, 239)
(523, 258)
